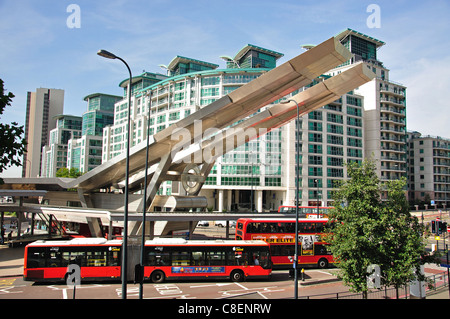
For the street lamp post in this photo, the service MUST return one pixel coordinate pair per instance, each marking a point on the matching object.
(144, 210)
(297, 170)
(317, 197)
(109, 55)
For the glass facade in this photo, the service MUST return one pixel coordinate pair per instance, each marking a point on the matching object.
(258, 172)
(55, 154)
(385, 106)
(362, 48)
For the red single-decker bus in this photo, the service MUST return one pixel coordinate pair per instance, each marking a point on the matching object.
(166, 258)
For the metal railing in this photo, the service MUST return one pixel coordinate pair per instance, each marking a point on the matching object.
(435, 283)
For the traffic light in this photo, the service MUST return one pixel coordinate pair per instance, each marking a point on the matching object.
(442, 226)
(438, 227)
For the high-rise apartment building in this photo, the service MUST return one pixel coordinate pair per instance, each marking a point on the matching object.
(85, 151)
(329, 137)
(54, 155)
(259, 173)
(99, 114)
(428, 169)
(384, 107)
(42, 108)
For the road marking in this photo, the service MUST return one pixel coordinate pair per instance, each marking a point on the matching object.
(169, 289)
(6, 290)
(242, 286)
(259, 293)
(245, 290)
(213, 285)
(61, 287)
(7, 282)
(174, 297)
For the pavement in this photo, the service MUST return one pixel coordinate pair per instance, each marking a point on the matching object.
(11, 265)
(11, 261)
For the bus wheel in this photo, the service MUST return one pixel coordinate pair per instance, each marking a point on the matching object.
(237, 275)
(157, 276)
(323, 263)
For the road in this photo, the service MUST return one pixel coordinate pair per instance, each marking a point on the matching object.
(280, 286)
(317, 282)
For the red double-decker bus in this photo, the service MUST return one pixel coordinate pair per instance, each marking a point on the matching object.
(280, 234)
(169, 258)
(306, 211)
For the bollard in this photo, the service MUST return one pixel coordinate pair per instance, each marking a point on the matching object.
(303, 274)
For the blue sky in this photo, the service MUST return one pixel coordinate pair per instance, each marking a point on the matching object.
(38, 49)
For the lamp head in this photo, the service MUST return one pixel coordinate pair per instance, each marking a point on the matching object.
(106, 54)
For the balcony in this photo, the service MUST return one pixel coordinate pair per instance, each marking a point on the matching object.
(393, 149)
(394, 101)
(394, 139)
(395, 110)
(393, 129)
(394, 91)
(395, 119)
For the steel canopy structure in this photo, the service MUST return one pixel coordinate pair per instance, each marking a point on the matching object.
(248, 99)
(172, 156)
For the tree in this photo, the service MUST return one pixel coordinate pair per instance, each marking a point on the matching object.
(65, 172)
(355, 224)
(402, 248)
(365, 230)
(12, 145)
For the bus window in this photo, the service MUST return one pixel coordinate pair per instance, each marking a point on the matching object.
(240, 258)
(198, 258)
(252, 228)
(215, 258)
(157, 256)
(322, 250)
(289, 227)
(114, 257)
(283, 250)
(54, 258)
(36, 257)
(261, 258)
(180, 258)
(95, 259)
(73, 257)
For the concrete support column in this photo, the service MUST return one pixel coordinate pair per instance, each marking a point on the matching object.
(259, 201)
(110, 230)
(229, 198)
(152, 230)
(220, 208)
(95, 226)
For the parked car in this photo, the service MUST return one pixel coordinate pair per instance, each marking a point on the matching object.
(223, 223)
(203, 223)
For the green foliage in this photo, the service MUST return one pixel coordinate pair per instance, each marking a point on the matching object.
(366, 230)
(12, 145)
(402, 248)
(65, 172)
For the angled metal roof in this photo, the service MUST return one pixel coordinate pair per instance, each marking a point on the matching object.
(249, 47)
(181, 59)
(246, 100)
(345, 33)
